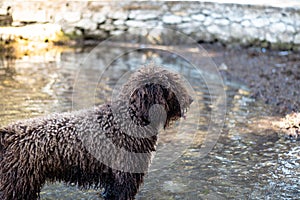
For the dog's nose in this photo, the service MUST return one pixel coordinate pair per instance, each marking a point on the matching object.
(190, 100)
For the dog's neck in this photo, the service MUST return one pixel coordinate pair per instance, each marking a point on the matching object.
(130, 119)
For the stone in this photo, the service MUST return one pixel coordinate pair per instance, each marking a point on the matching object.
(222, 22)
(144, 15)
(152, 23)
(69, 30)
(250, 14)
(78, 32)
(206, 12)
(246, 23)
(72, 16)
(87, 15)
(271, 38)
(171, 19)
(87, 24)
(236, 30)
(118, 22)
(260, 22)
(252, 33)
(176, 7)
(297, 39)
(121, 27)
(234, 17)
(290, 29)
(286, 37)
(198, 17)
(186, 19)
(208, 21)
(288, 20)
(16, 24)
(25, 16)
(99, 18)
(137, 31)
(58, 18)
(135, 23)
(203, 35)
(3, 11)
(277, 27)
(100, 33)
(107, 27)
(187, 28)
(118, 15)
(214, 29)
(274, 17)
(117, 32)
(216, 15)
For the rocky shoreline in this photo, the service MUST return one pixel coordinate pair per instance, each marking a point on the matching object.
(229, 23)
(272, 76)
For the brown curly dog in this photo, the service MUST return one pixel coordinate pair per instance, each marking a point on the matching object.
(109, 146)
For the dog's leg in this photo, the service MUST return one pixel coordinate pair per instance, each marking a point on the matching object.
(17, 178)
(18, 182)
(122, 186)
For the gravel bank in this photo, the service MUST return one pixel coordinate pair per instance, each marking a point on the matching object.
(272, 76)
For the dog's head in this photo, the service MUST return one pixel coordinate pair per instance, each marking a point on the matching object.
(157, 95)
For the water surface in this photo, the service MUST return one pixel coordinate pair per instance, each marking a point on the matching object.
(249, 160)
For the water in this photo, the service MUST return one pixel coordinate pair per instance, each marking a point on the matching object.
(249, 160)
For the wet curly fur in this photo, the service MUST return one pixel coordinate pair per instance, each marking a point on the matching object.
(53, 148)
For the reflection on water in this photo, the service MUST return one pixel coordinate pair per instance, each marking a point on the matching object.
(248, 161)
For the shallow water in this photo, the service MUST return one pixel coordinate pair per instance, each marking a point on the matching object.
(249, 160)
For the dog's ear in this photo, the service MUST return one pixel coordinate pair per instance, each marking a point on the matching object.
(144, 98)
(174, 111)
